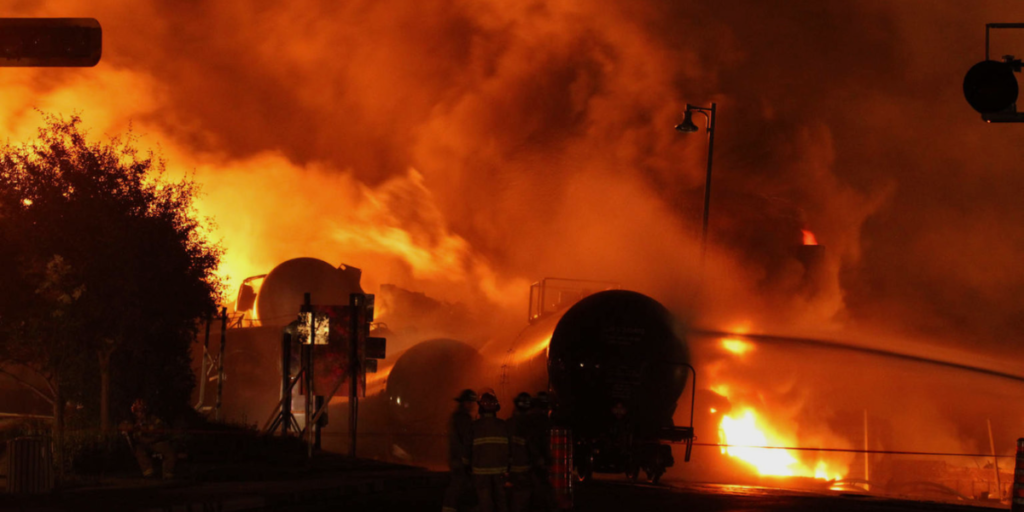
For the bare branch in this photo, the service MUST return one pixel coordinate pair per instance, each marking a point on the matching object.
(48, 379)
(28, 385)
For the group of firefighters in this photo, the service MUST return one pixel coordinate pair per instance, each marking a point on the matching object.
(506, 462)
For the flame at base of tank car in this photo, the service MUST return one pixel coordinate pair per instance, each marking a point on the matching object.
(745, 430)
(751, 434)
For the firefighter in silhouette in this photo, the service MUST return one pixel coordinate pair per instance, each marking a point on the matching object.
(148, 435)
(460, 442)
(490, 456)
(619, 438)
(519, 432)
(539, 442)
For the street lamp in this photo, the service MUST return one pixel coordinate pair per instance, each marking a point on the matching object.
(687, 126)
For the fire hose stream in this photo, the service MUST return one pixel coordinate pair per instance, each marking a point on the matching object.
(837, 345)
(853, 450)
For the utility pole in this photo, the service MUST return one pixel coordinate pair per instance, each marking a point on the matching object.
(995, 461)
(308, 355)
(204, 365)
(356, 301)
(867, 459)
(220, 360)
(286, 380)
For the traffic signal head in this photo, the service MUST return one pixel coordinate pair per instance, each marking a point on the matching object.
(991, 87)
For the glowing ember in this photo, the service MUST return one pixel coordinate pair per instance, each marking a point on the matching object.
(26, 202)
(809, 238)
(743, 431)
(738, 347)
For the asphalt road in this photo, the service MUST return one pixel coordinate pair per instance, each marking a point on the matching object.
(609, 496)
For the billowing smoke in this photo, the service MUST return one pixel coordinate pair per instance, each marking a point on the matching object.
(465, 148)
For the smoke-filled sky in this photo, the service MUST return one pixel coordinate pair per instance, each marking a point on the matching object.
(467, 148)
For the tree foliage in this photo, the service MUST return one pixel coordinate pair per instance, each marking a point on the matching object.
(101, 259)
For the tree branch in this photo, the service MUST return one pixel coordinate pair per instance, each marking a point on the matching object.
(48, 379)
(27, 384)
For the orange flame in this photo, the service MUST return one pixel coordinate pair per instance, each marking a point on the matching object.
(744, 432)
(809, 238)
(738, 347)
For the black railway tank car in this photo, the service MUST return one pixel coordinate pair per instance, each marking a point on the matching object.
(618, 364)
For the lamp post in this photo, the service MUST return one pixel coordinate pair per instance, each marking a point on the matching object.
(687, 126)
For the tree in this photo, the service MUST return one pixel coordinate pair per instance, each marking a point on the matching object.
(105, 271)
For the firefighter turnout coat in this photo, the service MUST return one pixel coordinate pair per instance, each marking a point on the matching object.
(520, 433)
(490, 453)
(460, 440)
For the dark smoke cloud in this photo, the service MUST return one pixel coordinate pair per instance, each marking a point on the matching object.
(540, 134)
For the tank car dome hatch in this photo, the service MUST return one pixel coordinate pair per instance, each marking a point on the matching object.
(284, 288)
(425, 380)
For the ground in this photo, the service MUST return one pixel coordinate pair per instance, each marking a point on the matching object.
(611, 496)
(342, 484)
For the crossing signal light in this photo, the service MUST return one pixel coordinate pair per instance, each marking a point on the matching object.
(991, 87)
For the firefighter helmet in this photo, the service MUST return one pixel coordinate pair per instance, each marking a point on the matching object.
(139, 406)
(467, 395)
(522, 401)
(489, 403)
(542, 400)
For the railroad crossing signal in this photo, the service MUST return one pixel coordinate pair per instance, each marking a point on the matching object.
(990, 86)
(342, 338)
(336, 348)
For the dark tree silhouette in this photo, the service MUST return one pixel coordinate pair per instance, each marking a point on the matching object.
(104, 271)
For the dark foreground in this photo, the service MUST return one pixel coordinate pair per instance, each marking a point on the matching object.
(393, 489)
(609, 496)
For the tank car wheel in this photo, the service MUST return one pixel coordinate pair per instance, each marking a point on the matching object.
(654, 474)
(633, 474)
(585, 471)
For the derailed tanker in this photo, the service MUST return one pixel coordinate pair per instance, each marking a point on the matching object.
(616, 362)
(419, 393)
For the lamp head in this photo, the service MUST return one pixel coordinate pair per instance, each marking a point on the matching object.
(687, 125)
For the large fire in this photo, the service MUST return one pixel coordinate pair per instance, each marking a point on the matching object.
(738, 347)
(746, 433)
(743, 432)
